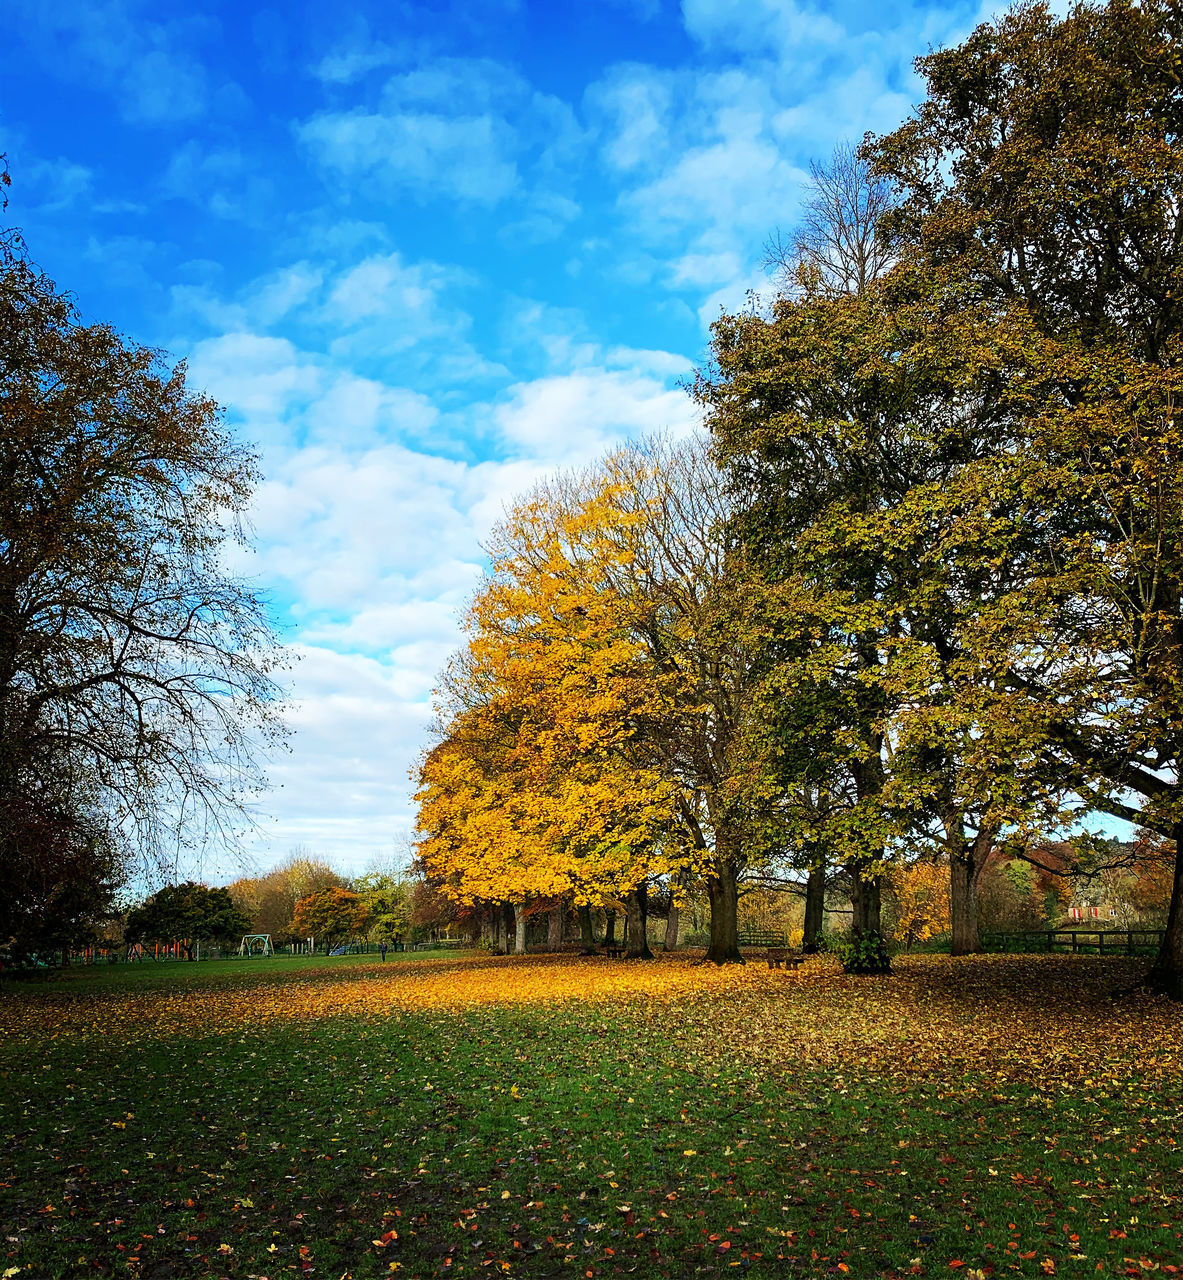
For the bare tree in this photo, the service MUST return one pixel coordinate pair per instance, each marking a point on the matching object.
(136, 673)
(839, 246)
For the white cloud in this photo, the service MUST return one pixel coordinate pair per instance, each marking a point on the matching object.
(575, 416)
(706, 269)
(221, 179)
(160, 85)
(349, 64)
(260, 379)
(731, 182)
(346, 530)
(276, 295)
(57, 184)
(430, 156)
(385, 308)
(470, 130)
(549, 216)
(345, 789)
(411, 632)
(386, 287)
(635, 104)
(457, 86)
(753, 26)
(263, 303)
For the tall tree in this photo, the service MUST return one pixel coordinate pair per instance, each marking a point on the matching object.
(808, 424)
(535, 789)
(677, 580)
(135, 673)
(597, 739)
(839, 250)
(1045, 168)
(853, 427)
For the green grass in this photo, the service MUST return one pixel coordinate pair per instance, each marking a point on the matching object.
(568, 1139)
(183, 974)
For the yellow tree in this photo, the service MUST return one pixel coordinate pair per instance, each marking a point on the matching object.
(536, 788)
(921, 891)
(594, 735)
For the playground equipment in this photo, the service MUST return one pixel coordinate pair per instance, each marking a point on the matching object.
(256, 944)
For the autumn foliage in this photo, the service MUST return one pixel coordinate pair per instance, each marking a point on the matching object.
(331, 916)
(932, 609)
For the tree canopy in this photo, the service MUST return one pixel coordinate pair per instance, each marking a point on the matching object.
(935, 606)
(136, 674)
(189, 913)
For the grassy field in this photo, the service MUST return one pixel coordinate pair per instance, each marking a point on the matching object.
(1001, 1115)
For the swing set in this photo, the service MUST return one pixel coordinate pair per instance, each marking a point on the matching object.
(256, 944)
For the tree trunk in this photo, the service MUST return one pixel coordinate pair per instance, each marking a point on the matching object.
(870, 953)
(671, 926)
(866, 902)
(587, 935)
(723, 893)
(815, 906)
(610, 928)
(966, 862)
(554, 928)
(638, 943)
(519, 944)
(963, 900)
(1167, 973)
(506, 927)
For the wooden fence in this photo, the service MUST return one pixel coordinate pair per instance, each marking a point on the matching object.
(1103, 941)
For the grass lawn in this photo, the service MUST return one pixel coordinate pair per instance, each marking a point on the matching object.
(1000, 1115)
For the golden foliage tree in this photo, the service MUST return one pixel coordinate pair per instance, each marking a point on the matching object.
(593, 734)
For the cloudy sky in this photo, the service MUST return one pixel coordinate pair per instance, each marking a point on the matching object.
(423, 253)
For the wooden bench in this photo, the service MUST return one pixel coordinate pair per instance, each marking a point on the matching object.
(782, 958)
(614, 951)
(762, 938)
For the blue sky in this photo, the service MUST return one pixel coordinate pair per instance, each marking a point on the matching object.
(424, 254)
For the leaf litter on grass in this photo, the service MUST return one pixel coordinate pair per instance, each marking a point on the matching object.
(575, 1115)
